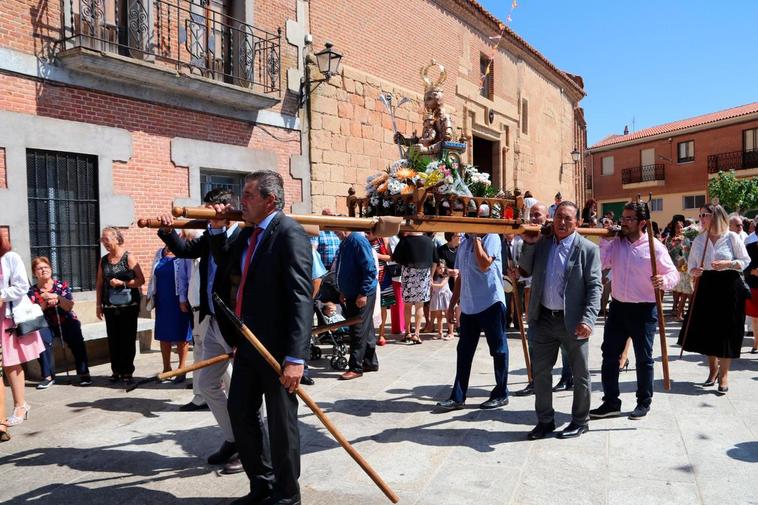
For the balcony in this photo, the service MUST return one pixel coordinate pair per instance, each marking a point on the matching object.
(737, 160)
(644, 176)
(184, 47)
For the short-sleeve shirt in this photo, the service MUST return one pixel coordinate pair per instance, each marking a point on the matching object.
(60, 288)
(480, 290)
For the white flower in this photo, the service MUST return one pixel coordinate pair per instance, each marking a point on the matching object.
(386, 204)
(374, 200)
(395, 187)
(396, 165)
(449, 179)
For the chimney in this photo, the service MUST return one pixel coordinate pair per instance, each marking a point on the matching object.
(626, 129)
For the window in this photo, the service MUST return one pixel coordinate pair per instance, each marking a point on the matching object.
(64, 214)
(750, 142)
(693, 201)
(686, 151)
(213, 180)
(524, 116)
(656, 205)
(487, 77)
(607, 168)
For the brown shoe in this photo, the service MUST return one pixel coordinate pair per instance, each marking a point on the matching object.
(350, 375)
(233, 466)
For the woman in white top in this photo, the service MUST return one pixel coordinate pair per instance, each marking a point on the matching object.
(718, 314)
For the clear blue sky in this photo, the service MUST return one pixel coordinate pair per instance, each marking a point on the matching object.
(651, 61)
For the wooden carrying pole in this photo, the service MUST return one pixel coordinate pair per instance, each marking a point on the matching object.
(696, 284)
(658, 301)
(181, 371)
(524, 343)
(385, 226)
(245, 331)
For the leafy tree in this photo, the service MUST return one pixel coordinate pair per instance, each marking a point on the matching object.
(734, 194)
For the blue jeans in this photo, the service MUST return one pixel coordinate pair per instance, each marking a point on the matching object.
(492, 322)
(638, 321)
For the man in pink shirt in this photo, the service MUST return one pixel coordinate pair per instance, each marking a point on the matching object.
(632, 312)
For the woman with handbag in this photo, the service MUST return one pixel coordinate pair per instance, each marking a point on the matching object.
(717, 313)
(57, 302)
(119, 278)
(17, 348)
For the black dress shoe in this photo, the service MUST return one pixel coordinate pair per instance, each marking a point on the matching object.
(541, 430)
(257, 496)
(233, 466)
(224, 454)
(449, 405)
(275, 500)
(494, 403)
(191, 407)
(564, 385)
(370, 368)
(573, 430)
(527, 391)
(307, 380)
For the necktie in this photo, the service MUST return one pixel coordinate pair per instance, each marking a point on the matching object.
(248, 259)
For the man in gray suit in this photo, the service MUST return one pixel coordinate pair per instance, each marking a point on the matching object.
(565, 300)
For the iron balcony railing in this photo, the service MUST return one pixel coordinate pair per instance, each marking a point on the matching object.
(191, 35)
(645, 173)
(737, 160)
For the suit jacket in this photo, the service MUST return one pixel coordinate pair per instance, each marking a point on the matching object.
(581, 297)
(195, 248)
(276, 303)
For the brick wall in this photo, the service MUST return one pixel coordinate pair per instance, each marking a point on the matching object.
(680, 177)
(149, 177)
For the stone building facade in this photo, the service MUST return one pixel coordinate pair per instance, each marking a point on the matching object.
(521, 127)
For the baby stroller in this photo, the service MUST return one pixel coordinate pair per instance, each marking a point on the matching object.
(337, 338)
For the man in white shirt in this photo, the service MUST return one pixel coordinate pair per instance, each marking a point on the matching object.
(736, 225)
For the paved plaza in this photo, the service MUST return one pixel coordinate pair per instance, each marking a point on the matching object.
(103, 446)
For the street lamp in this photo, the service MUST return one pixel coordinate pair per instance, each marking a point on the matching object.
(575, 157)
(328, 63)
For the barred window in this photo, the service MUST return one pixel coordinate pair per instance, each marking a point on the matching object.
(234, 182)
(64, 221)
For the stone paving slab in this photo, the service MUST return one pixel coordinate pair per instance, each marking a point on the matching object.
(100, 445)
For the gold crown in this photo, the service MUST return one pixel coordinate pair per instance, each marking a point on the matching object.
(430, 85)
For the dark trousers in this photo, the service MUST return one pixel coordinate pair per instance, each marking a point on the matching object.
(252, 380)
(492, 322)
(551, 334)
(638, 321)
(362, 336)
(121, 326)
(46, 358)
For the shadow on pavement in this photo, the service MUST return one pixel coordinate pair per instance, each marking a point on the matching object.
(145, 406)
(744, 451)
(57, 494)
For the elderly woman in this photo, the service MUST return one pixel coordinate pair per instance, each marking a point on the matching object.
(717, 324)
(54, 296)
(168, 290)
(417, 255)
(17, 349)
(119, 278)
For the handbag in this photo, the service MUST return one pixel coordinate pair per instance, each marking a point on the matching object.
(27, 317)
(119, 296)
(743, 290)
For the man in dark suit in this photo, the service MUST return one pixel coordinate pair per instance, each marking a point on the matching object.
(563, 306)
(266, 275)
(209, 380)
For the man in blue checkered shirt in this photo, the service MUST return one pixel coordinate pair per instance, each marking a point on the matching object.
(327, 243)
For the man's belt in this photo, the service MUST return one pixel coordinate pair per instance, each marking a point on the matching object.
(551, 312)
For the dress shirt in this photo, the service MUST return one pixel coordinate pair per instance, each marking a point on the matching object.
(630, 264)
(480, 290)
(728, 247)
(263, 225)
(555, 276)
(212, 267)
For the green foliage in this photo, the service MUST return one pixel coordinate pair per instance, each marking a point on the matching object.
(418, 161)
(734, 194)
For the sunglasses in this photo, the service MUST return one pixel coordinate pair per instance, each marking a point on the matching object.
(705, 214)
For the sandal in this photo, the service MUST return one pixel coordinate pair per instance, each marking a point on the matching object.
(448, 336)
(416, 340)
(407, 338)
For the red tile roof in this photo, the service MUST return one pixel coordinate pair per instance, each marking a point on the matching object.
(681, 124)
(574, 80)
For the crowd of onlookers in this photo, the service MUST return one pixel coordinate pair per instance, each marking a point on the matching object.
(413, 278)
